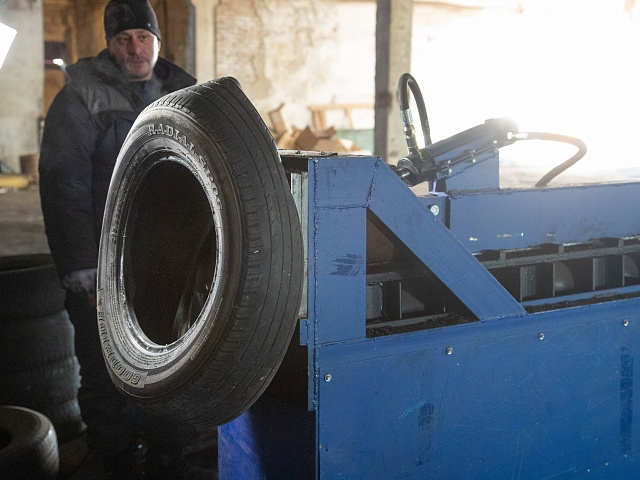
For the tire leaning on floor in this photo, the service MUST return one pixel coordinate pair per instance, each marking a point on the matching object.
(38, 366)
(200, 268)
(29, 287)
(28, 445)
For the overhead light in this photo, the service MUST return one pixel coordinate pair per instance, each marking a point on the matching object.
(6, 38)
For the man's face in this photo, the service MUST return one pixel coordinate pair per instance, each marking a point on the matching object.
(136, 52)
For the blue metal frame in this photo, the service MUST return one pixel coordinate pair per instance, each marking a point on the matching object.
(511, 395)
(520, 218)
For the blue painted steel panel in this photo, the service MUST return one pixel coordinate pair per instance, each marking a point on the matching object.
(340, 269)
(273, 440)
(339, 182)
(337, 209)
(503, 404)
(338, 228)
(511, 219)
(485, 174)
(412, 222)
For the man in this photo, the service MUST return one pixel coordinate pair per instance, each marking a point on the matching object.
(84, 130)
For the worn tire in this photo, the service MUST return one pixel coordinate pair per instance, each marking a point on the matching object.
(200, 268)
(50, 389)
(38, 366)
(35, 342)
(29, 287)
(28, 445)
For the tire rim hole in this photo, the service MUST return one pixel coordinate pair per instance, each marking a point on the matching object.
(5, 439)
(169, 252)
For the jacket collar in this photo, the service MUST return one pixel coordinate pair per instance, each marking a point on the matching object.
(102, 67)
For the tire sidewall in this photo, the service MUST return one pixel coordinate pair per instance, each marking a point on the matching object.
(32, 451)
(137, 365)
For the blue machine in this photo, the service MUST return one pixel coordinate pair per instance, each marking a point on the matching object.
(472, 332)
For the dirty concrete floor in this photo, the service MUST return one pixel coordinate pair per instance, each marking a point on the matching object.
(21, 224)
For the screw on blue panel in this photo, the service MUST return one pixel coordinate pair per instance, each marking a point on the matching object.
(541, 336)
(327, 377)
(449, 350)
(625, 322)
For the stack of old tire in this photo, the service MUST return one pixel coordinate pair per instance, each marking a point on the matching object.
(38, 367)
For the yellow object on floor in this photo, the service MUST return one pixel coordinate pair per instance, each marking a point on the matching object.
(8, 180)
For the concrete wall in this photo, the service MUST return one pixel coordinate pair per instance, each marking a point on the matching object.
(21, 81)
(298, 52)
(473, 58)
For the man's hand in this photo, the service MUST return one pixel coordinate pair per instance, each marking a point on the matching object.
(82, 282)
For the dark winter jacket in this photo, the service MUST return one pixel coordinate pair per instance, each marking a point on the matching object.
(84, 129)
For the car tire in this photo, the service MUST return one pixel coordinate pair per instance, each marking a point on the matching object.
(28, 445)
(38, 366)
(200, 267)
(29, 287)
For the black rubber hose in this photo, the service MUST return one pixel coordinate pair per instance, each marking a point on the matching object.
(554, 137)
(407, 80)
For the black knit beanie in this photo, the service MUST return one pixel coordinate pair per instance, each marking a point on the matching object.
(122, 15)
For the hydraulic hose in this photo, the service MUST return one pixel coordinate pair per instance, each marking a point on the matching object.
(554, 137)
(422, 163)
(405, 83)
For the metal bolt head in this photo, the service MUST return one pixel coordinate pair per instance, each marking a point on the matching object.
(435, 209)
(327, 377)
(625, 322)
(449, 350)
(541, 336)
